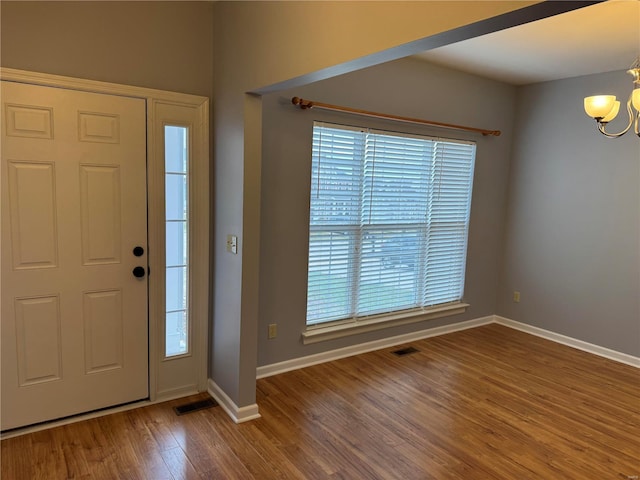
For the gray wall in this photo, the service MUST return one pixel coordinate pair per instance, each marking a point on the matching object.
(572, 241)
(251, 45)
(404, 87)
(175, 46)
(164, 45)
(263, 46)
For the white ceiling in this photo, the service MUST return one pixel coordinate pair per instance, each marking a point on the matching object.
(599, 38)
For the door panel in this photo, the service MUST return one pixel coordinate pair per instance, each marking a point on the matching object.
(33, 215)
(74, 318)
(100, 210)
(102, 314)
(39, 356)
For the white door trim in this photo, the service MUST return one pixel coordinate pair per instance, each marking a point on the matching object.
(199, 224)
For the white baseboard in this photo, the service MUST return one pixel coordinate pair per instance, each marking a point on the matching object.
(569, 341)
(250, 412)
(307, 361)
(237, 414)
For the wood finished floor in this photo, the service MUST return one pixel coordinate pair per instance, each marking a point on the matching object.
(488, 403)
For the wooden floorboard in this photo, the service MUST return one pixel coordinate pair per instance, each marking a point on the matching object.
(488, 403)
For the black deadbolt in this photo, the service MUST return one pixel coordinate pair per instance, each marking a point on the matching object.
(138, 251)
(138, 272)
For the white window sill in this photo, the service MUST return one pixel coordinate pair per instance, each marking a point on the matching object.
(321, 333)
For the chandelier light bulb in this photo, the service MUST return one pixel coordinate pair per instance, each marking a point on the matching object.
(635, 99)
(599, 106)
(604, 108)
(612, 114)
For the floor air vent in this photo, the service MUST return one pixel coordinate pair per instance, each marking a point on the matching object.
(194, 406)
(405, 351)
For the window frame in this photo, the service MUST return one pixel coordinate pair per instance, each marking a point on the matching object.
(186, 373)
(355, 323)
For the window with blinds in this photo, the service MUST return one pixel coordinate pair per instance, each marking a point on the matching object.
(388, 222)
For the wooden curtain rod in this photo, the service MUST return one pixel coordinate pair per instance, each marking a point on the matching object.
(307, 104)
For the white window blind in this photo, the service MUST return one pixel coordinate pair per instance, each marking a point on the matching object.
(388, 222)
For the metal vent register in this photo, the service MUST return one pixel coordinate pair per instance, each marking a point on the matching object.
(195, 406)
(405, 351)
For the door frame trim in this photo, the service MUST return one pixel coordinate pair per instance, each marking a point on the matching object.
(199, 278)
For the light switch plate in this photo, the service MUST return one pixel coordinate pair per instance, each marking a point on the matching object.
(232, 244)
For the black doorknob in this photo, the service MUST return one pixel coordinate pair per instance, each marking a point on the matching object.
(138, 272)
(138, 251)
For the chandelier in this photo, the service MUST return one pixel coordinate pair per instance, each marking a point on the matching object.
(604, 108)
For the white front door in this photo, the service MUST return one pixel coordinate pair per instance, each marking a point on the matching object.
(74, 208)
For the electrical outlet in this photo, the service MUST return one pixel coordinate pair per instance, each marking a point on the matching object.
(273, 330)
(516, 297)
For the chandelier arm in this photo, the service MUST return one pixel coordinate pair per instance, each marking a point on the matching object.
(636, 127)
(602, 125)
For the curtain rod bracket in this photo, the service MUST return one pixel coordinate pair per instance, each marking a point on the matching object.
(303, 104)
(308, 104)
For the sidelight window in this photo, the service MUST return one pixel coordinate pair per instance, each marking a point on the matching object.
(177, 240)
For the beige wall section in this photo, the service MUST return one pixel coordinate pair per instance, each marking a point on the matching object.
(256, 45)
(264, 43)
(163, 45)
